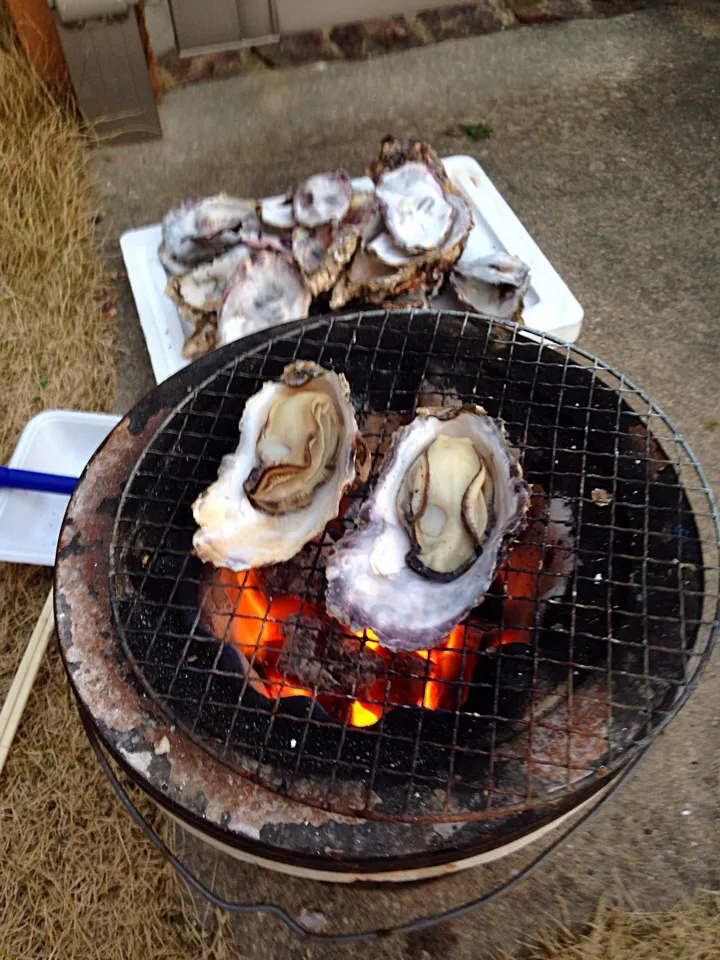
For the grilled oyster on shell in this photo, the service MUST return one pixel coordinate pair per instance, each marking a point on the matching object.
(265, 291)
(433, 533)
(296, 458)
(202, 228)
(322, 198)
(494, 285)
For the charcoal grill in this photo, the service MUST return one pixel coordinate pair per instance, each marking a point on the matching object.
(551, 718)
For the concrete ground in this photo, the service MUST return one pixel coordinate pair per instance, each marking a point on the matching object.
(606, 142)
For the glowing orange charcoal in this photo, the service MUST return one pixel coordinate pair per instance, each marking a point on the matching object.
(364, 714)
(240, 612)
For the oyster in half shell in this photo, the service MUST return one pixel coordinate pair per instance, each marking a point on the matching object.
(265, 291)
(297, 455)
(434, 531)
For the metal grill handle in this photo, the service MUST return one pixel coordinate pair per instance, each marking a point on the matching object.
(414, 926)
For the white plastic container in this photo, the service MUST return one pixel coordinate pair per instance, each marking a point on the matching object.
(550, 307)
(55, 441)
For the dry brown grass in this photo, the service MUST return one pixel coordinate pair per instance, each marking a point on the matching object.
(76, 877)
(690, 932)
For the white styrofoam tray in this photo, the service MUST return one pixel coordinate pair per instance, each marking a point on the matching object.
(55, 441)
(550, 307)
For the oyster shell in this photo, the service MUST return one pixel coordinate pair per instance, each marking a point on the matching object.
(370, 278)
(417, 213)
(322, 198)
(296, 457)
(323, 252)
(432, 535)
(201, 228)
(201, 291)
(277, 213)
(385, 248)
(395, 152)
(202, 341)
(266, 290)
(494, 285)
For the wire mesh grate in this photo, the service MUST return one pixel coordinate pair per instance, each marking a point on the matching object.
(557, 678)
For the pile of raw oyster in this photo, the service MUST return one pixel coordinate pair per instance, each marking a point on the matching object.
(240, 266)
(427, 542)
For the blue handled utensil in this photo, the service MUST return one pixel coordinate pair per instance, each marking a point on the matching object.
(40, 482)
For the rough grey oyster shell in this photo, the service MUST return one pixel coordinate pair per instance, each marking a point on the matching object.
(493, 285)
(265, 291)
(323, 252)
(322, 198)
(416, 209)
(202, 228)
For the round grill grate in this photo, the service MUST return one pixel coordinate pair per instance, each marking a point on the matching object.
(563, 702)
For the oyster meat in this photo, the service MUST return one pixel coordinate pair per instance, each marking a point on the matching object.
(201, 228)
(298, 446)
(417, 213)
(322, 198)
(265, 291)
(494, 285)
(433, 533)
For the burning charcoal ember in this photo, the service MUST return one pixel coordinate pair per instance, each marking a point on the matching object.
(317, 654)
(540, 565)
(303, 575)
(378, 430)
(602, 498)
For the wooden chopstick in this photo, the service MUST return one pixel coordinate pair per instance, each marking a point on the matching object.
(24, 678)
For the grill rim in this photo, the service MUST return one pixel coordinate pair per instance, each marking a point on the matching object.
(229, 356)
